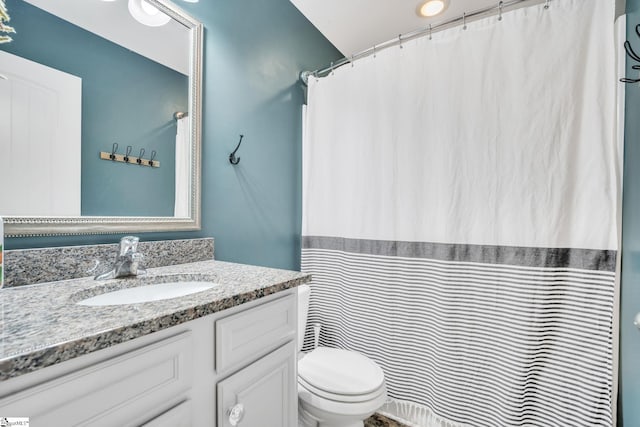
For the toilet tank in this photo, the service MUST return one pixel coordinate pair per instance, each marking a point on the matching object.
(304, 293)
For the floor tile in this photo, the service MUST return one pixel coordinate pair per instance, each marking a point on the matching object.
(377, 420)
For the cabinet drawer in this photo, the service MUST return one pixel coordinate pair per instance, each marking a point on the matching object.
(125, 391)
(178, 416)
(263, 394)
(245, 336)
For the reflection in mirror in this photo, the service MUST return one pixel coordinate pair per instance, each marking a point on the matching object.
(82, 77)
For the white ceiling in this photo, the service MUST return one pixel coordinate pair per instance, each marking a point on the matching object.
(167, 45)
(356, 25)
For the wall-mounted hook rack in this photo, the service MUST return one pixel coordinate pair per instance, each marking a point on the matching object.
(232, 157)
(128, 158)
(633, 55)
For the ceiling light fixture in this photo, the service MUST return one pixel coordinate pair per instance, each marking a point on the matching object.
(432, 8)
(147, 14)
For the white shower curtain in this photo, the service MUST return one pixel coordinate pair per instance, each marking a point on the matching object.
(183, 168)
(459, 216)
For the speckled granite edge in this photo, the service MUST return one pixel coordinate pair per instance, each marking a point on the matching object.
(115, 325)
(31, 266)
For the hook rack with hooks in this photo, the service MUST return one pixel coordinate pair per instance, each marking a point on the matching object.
(128, 158)
(633, 55)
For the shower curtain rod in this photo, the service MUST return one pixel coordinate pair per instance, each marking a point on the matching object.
(500, 7)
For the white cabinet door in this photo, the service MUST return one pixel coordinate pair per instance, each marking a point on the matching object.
(262, 394)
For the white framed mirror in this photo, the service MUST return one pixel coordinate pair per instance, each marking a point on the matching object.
(100, 118)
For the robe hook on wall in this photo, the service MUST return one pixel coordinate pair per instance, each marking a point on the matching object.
(633, 55)
(232, 157)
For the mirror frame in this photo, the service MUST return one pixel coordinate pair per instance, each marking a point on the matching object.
(17, 226)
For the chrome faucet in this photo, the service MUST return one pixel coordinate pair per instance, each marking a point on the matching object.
(128, 261)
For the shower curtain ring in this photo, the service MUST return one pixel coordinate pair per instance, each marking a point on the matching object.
(352, 61)
(430, 32)
(374, 50)
(400, 40)
(546, 4)
(331, 67)
(464, 20)
(500, 5)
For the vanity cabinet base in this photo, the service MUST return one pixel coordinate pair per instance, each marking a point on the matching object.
(168, 378)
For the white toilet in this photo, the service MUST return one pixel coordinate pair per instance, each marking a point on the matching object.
(336, 388)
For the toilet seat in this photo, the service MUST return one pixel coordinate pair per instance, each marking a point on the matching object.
(344, 398)
(340, 375)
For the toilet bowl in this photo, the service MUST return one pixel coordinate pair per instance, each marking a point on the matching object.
(336, 388)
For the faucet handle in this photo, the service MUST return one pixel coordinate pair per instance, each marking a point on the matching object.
(98, 268)
(128, 245)
(101, 270)
(135, 267)
(96, 264)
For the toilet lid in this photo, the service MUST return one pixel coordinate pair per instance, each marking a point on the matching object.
(340, 371)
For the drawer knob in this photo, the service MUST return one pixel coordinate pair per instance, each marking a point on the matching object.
(235, 414)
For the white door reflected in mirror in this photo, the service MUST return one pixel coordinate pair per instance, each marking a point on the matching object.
(40, 126)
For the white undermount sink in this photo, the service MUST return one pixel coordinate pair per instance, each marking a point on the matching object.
(148, 293)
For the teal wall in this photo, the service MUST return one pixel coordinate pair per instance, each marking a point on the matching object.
(254, 52)
(629, 399)
(126, 98)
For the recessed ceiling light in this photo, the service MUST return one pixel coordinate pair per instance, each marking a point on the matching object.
(432, 8)
(147, 14)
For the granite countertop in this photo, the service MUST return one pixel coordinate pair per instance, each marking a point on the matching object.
(41, 325)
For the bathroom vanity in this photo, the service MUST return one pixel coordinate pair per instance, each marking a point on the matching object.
(221, 357)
